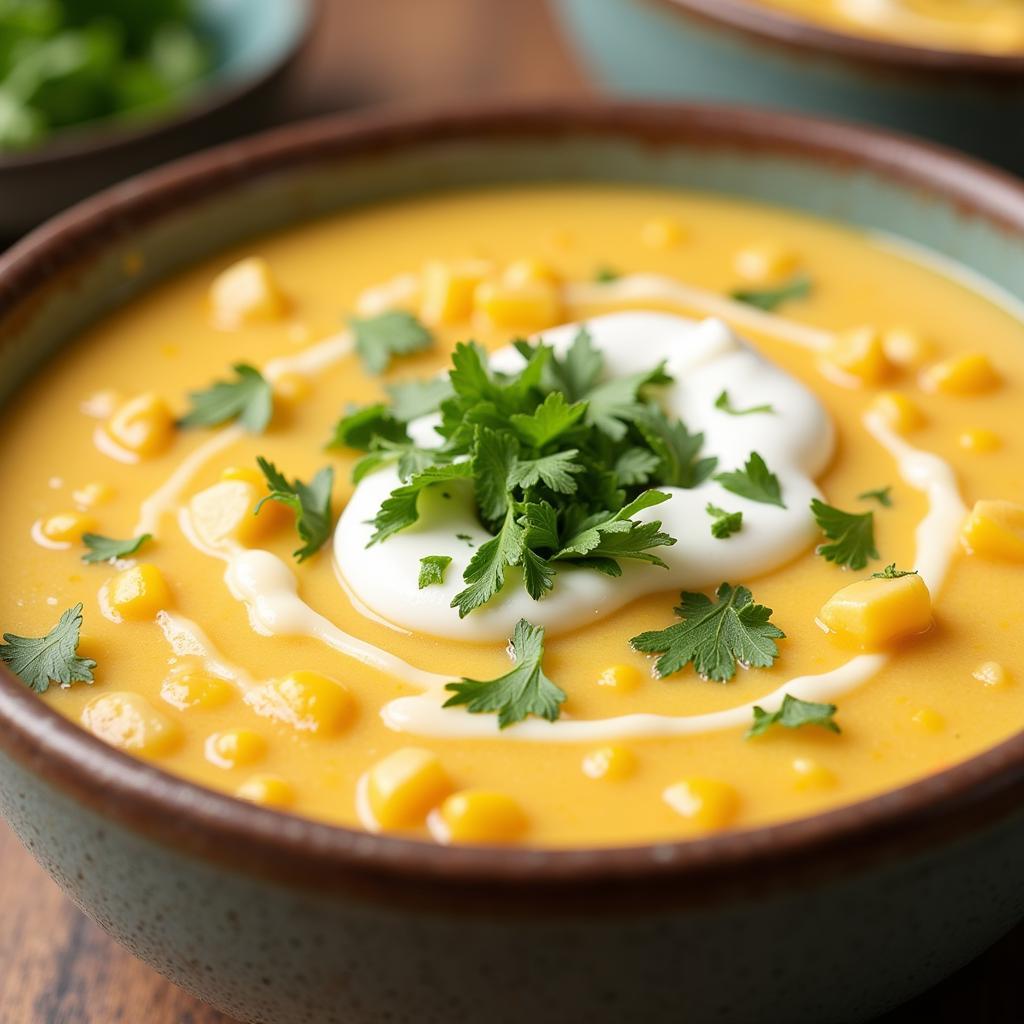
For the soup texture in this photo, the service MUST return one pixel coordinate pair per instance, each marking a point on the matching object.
(557, 516)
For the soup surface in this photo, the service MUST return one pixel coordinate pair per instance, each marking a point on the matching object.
(859, 410)
(987, 26)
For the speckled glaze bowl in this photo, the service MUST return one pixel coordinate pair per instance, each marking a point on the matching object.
(739, 51)
(280, 920)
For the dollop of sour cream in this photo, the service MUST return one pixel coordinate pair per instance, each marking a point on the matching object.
(796, 440)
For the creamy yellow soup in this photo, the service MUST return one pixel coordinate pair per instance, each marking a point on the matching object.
(987, 26)
(223, 659)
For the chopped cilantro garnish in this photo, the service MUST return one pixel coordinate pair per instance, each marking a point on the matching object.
(394, 333)
(755, 481)
(248, 399)
(725, 523)
(769, 299)
(432, 569)
(890, 572)
(106, 549)
(883, 496)
(723, 402)
(605, 274)
(310, 502)
(39, 661)
(794, 713)
(852, 535)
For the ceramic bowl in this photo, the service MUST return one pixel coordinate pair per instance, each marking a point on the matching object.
(738, 51)
(256, 43)
(280, 920)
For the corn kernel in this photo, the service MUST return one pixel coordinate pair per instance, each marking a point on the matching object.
(530, 306)
(522, 273)
(137, 593)
(992, 673)
(899, 411)
(765, 262)
(857, 357)
(246, 292)
(143, 426)
(481, 816)
(307, 701)
(995, 529)
(613, 762)
(248, 474)
(906, 348)
(226, 512)
(235, 747)
(662, 233)
(67, 527)
(403, 787)
(267, 790)
(708, 804)
(292, 388)
(448, 290)
(810, 775)
(971, 373)
(980, 440)
(129, 722)
(189, 688)
(624, 678)
(92, 494)
(929, 720)
(873, 613)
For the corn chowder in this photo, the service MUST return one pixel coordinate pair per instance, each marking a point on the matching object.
(553, 516)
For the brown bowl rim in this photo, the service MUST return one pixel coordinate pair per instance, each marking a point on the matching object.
(777, 26)
(218, 828)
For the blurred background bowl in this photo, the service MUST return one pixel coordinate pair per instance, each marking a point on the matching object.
(732, 50)
(255, 44)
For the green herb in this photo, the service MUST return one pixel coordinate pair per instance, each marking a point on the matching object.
(769, 299)
(605, 274)
(394, 333)
(794, 714)
(883, 496)
(890, 572)
(310, 502)
(722, 402)
(248, 399)
(39, 661)
(714, 636)
(755, 481)
(852, 535)
(106, 549)
(364, 428)
(411, 399)
(432, 569)
(523, 691)
(725, 523)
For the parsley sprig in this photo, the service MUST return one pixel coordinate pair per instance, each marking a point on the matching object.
(794, 713)
(394, 333)
(852, 535)
(53, 658)
(108, 549)
(310, 502)
(770, 299)
(248, 398)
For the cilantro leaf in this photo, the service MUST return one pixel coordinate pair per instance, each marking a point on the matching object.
(552, 418)
(555, 471)
(725, 523)
(39, 661)
(769, 299)
(494, 455)
(577, 374)
(676, 449)
(394, 333)
(432, 569)
(485, 573)
(755, 481)
(524, 690)
(400, 509)
(605, 274)
(794, 713)
(636, 466)
(890, 572)
(248, 399)
(852, 535)
(714, 636)
(612, 406)
(883, 496)
(411, 399)
(723, 402)
(611, 536)
(365, 427)
(310, 502)
(106, 549)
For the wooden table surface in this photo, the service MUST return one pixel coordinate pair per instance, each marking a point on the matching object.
(56, 967)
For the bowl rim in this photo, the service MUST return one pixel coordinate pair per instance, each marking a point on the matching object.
(750, 18)
(218, 828)
(111, 134)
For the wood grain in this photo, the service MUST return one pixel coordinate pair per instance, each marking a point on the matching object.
(55, 966)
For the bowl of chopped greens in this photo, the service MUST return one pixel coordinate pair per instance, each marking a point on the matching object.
(94, 90)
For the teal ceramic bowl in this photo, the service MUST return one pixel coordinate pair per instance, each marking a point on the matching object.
(279, 920)
(256, 43)
(738, 51)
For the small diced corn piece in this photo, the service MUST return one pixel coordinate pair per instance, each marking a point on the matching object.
(67, 527)
(307, 701)
(765, 262)
(267, 790)
(225, 512)
(662, 233)
(250, 474)
(192, 688)
(137, 593)
(899, 411)
(532, 306)
(980, 440)
(859, 357)
(971, 373)
(235, 747)
(990, 673)
(810, 775)
(613, 762)
(292, 388)
(143, 426)
(906, 348)
(246, 292)
(526, 272)
(995, 529)
(129, 722)
(403, 787)
(873, 613)
(92, 494)
(708, 804)
(448, 289)
(928, 719)
(481, 816)
(623, 678)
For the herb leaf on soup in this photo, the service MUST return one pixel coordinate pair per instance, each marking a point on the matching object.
(107, 549)
(394, 333)
(248, 399)
(794, 714)
(310, 502)
(770, 299)
(53, 658)
(852, 535)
